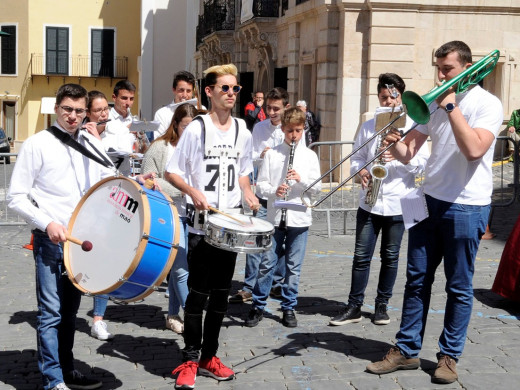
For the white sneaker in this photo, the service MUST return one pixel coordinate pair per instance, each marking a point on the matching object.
(60, 386)
(175, 323)
(99, 331)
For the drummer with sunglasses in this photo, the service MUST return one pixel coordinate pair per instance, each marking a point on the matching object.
(195, 170)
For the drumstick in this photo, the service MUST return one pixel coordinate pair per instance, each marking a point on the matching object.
(227, 215)
(85, 245)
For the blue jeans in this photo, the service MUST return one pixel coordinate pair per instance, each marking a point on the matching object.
(368, 226)
(100, 305)
(253, 263)
(178, 283)
(295, 239)
(452, 231)
(58, 302)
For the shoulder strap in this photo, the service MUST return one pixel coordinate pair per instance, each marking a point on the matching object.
(68, 140)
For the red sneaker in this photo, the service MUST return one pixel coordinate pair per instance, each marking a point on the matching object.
(187, 374)
(214, 368)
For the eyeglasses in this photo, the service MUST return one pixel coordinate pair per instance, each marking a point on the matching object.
(225, 88)
(106, 109)
(78, 111)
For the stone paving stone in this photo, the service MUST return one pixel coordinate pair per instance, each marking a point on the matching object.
(270, 356)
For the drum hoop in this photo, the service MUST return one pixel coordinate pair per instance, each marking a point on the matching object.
(171, 258)
(140, 248)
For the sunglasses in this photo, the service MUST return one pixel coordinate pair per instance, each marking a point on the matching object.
(78, 111)
(225, 88)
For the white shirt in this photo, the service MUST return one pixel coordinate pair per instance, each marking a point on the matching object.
(189, 163)
(401, 178)
(265, 134)
(450, 177)
(55, 176)
(117, 136)
(273, 173)
(164, 116)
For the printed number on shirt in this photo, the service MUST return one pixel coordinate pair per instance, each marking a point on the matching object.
(215, 168)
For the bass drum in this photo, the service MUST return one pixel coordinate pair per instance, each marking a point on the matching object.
(134, 233)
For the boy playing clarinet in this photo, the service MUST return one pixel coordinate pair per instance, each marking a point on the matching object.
(281, 178)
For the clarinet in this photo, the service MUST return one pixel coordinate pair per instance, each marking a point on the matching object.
(283, 218)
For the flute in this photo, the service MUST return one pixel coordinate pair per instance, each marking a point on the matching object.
(99, 123)
(283, 218)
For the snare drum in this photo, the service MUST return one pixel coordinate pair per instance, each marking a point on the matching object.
(134, 233)
(252, 237)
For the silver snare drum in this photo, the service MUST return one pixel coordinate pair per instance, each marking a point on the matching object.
(253, 236)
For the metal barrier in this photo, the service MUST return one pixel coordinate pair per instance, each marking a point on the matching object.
(506, 182)
(7, 216)
(345, 200)
(505, 175)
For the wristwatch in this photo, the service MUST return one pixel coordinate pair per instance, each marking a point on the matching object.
(450, 107)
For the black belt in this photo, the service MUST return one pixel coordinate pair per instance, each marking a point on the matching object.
(263, 202)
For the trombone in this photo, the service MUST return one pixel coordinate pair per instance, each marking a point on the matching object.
(417, 108)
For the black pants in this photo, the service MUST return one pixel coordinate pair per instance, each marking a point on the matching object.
(211, 270)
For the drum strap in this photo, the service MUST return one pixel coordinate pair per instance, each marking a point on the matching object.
(68, 140)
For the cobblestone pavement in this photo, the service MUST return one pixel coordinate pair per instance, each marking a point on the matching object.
(270, 356)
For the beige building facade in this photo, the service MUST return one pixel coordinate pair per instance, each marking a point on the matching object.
(333, 51)
(92, 43)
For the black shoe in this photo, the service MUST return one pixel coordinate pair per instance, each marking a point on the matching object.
(351, 314)
(254, 317)
(76, 380)
(289, 319)
(276, 292)
(380, 316)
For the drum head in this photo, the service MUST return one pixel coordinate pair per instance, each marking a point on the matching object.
(111, 216)
(250, 224)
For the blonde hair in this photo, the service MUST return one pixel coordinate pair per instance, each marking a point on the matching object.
(293, 116)
(213, 72)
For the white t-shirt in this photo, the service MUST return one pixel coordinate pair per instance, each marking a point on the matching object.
(449, 175)
(189, 162)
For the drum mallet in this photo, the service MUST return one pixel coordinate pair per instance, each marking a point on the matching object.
(85, 245)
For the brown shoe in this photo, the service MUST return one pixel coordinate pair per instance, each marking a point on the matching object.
(393, 361)
(446, 371)
(241, 296)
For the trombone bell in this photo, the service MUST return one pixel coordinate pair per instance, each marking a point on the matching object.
(417, 106)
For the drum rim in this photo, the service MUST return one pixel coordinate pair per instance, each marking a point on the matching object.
(173, 253)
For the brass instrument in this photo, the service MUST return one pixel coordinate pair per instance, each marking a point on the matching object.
(378, 171)
(417, 109)
(283, 218)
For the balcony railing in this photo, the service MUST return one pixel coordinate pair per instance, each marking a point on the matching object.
(82, 66)
(219, 15)
(266, 8)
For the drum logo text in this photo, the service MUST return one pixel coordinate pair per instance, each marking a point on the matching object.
(123, 200)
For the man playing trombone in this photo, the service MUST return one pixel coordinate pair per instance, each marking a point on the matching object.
(379, 206)
(457, 191)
